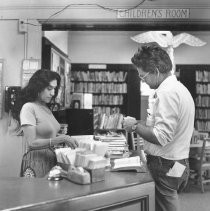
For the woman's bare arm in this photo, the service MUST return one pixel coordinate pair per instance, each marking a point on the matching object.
(34, 143)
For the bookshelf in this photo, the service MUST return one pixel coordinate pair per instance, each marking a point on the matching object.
(108, 87)
(197, 79)
(108, 84)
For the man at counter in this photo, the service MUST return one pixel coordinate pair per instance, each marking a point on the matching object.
(169, 126)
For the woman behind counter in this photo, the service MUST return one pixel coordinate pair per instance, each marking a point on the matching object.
(39, 126)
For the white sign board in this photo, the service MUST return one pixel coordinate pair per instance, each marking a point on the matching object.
(154, 13)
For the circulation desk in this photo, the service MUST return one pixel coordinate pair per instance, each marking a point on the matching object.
(119, 191)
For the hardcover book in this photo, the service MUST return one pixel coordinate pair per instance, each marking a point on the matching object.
(128, 164)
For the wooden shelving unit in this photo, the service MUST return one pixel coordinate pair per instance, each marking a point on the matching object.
(108, 84)
(197, 79)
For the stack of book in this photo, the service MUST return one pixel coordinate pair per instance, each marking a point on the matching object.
(118, 147)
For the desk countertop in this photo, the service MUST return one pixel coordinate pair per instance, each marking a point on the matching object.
(39, 193)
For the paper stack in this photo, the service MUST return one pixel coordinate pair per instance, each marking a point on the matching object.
(67, 155)
(118, 147)
(131, 163)
(90, 160)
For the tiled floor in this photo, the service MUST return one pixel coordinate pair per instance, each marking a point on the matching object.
(193, 200)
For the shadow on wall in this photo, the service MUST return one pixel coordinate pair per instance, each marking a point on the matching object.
(10, 151)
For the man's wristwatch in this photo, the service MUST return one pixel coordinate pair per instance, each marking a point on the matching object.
(134, 127)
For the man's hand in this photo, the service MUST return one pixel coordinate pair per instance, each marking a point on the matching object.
(128, 122)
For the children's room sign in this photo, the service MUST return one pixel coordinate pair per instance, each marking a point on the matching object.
(154, 13)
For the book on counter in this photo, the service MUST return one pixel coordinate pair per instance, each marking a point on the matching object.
(128, 164)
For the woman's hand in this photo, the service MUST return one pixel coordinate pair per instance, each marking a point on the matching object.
(69, 141)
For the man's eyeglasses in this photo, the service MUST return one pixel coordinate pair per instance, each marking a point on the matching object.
(143, 77)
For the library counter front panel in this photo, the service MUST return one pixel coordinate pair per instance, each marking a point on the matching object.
(119, 191)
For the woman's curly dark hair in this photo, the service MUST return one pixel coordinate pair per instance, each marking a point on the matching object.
(37, 83)
(151, 56)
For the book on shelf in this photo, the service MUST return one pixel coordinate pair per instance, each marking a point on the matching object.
(113, 121)
(98, 87)
(128, 164)
(202, 76)
(101, 76)
(88, 100)
(125, 76)
(77, 97)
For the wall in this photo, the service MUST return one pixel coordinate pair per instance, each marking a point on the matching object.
(59, 38)
(100, 47)
(88, 10)
(185, 54)
(14, 47)
(12, 51)
(117, 47)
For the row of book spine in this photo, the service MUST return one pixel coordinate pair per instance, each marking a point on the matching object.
(202, 113)
(202, 88)
(202, 125)
(106, 110)
(107, 99)
(99, 87)
(118, 76)
(202, 76)
(113, 121)
(99, 110)
(202, 101)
